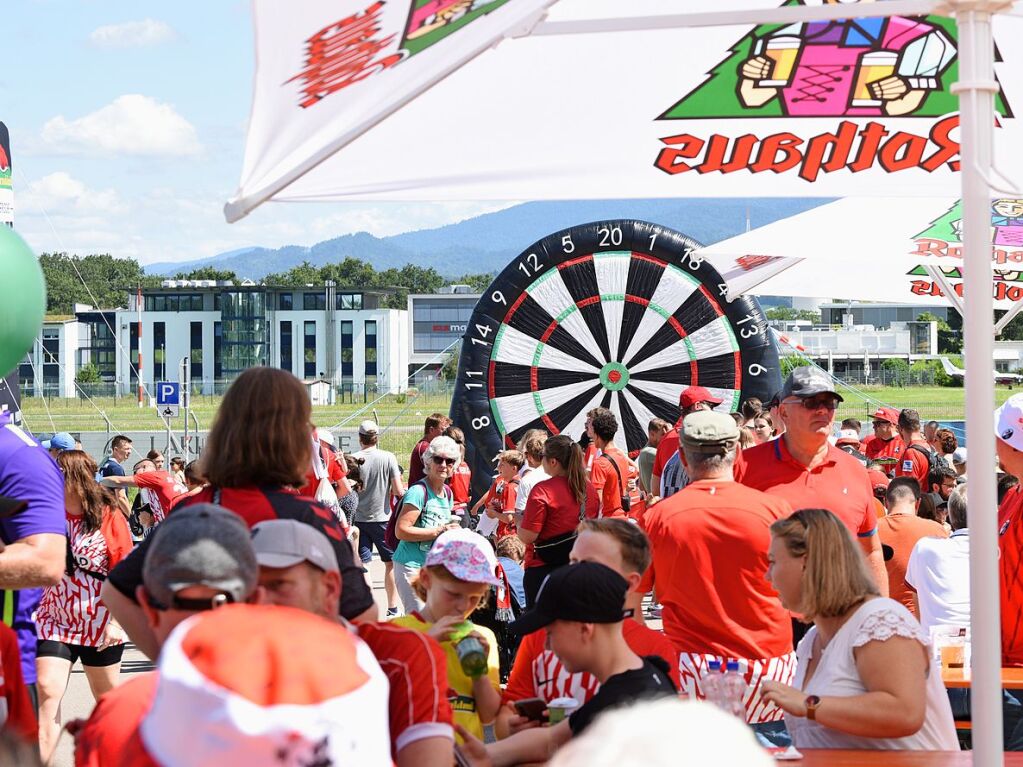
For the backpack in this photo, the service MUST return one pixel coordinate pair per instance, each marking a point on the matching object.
(934, 460)
(390, 532)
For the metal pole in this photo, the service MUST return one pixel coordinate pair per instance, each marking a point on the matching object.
(976, 88)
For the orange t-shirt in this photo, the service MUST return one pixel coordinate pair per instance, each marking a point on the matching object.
(539, 673)
(605, 481)
(110, 737)
(710, 543)
(914, 463)
(1010, 566)
(839, 483)
(901, 532)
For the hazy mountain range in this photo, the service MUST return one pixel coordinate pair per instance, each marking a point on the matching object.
(488, 242)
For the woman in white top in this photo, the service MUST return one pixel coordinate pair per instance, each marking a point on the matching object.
(864, 677)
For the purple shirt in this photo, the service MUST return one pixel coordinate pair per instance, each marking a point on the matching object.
(28, 473)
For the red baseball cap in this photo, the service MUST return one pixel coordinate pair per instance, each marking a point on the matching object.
(693, 394)
(877, 479)
(889, 414)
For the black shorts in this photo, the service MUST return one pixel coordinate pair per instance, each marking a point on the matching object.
(91, 656)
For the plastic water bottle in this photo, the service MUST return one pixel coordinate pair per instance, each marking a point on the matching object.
(712, 681)
(733, 690)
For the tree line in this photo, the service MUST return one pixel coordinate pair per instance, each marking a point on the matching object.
(102, 280)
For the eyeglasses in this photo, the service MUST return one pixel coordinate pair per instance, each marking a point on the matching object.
(815, 403)
(439, 459)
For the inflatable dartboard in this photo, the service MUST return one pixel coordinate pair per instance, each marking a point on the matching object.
(619, 314)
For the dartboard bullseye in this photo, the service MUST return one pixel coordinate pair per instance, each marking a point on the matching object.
(619, 314)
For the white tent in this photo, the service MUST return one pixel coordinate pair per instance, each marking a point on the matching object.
(758, 101)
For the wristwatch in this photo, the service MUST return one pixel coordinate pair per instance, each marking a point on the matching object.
(811, 703)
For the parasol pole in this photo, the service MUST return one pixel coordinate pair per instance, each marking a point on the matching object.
(976, 89)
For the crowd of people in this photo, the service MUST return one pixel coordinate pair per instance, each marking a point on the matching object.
(800, 571)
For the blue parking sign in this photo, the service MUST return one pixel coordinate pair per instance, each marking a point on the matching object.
(168, 393)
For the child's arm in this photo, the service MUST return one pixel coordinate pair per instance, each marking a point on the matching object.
(488, 699)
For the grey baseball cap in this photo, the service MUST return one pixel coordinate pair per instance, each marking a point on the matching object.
(200, 545)
(709, 431)
(807, 381)
(288, 542)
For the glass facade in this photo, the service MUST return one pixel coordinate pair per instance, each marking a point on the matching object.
(348, 301)
(173, 302)
(159, 351)
(309, 350)
(243, 322)
(286, 360)
(195, 349)
(347, 351)
(51, 359)
(286, 302)
(371, 353)
(437, 323)
(218, 353)
(133, 353)
(879, 316)
(314, 301)
(102, 349)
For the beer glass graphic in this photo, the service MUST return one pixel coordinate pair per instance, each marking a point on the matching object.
(782, 51)
(873, 67)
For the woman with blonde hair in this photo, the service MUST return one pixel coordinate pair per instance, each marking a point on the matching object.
(864, 676)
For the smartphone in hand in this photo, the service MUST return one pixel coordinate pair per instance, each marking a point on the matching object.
(531, 708)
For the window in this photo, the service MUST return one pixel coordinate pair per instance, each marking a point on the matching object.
(218, 364)
(133, 354)
(347, 352)
(159, 351)
(309, 371)
(286, 302)
(286, 361)
(371, 353)
(195, 346)
(314, 301)
(348, 301)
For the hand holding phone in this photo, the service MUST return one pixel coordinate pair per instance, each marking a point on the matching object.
(532, 708)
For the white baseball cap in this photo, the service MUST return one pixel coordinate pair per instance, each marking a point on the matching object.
(368, 427)
(324, 435)
(959, 456)
(1009, 422)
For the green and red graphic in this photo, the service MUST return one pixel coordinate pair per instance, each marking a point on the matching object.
(896, 66)
(430, 21)
(5, 157)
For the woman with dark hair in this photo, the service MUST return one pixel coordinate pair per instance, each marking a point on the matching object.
(157, 458)
(258, 450)
(865, 678)
(72, 622)
(554, 509)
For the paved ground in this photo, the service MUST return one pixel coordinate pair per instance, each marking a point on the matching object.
(78, 700)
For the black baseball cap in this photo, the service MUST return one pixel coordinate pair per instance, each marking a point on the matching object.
(586, 592)
(807, 381)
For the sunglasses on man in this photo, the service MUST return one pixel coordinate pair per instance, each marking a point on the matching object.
(814, 403)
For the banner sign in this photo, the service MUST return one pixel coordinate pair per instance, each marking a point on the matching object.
(6, 188)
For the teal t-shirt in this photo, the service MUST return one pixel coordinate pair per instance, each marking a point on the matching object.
(434, 510)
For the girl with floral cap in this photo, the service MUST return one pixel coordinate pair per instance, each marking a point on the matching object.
(456, 577)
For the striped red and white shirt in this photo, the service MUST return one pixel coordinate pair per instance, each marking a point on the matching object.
(71, 611)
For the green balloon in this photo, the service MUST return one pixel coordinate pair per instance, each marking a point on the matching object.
(22, 299)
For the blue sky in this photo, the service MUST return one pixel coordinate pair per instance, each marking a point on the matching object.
(128, 123)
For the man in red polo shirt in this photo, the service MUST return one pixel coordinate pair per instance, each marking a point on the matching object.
(808, 471)
(885, 444)
(1009, 448)
(914, 461)
(710, 543)
(693, 398)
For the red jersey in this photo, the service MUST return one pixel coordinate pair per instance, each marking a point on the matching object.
(839, 483)
(110, 737)
(589, 456)
(876, 449)
(1010, 568)
(18, 715)
(605, 481)
(710, 543)
(914, 463)
(1010, 502)
(552, 510)
(161, 490)
(666, 448)
(418, 675)
(71, 611)
(460, 482)
(416, 470)
(336, 471)
(539, 673)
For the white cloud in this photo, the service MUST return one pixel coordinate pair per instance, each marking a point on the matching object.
(61, 193)
(133, 34)
(131, 124)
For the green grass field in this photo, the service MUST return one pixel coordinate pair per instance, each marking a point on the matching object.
(401, 417)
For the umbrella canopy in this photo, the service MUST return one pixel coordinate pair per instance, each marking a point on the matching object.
(831, 107)
(903, 250)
